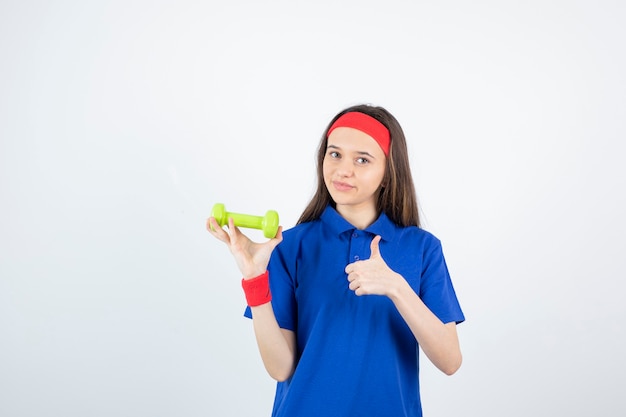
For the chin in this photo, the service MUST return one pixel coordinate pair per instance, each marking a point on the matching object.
(341, 201)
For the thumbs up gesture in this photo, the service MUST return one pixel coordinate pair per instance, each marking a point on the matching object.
(372, 276)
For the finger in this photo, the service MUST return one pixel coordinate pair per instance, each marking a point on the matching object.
(273, 242)
(237, 239)
(233, 230)
(278, 238)
(374, 247)
(214, 228)
(211, 225)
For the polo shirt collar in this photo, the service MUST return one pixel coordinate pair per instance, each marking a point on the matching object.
(383, 226)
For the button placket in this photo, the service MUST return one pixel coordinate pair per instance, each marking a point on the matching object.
(357, 245)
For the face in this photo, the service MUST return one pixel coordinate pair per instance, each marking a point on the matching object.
(353, 168)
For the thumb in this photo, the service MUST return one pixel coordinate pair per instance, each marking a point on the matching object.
(374, 247)
(273, 242)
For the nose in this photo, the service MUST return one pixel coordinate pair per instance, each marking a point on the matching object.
(345, 168)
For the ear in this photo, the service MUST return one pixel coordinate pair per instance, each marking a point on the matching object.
(387, 177)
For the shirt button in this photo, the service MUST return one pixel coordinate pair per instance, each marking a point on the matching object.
(355, 234)
(356, 257)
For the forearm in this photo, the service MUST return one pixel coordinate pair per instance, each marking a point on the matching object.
(277, 346)
(439, 341)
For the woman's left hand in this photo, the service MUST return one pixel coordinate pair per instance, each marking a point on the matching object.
(371, 276)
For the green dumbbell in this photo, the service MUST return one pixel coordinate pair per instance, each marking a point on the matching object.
(267, 223)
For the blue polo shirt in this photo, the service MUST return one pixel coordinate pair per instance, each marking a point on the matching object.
(356, 355)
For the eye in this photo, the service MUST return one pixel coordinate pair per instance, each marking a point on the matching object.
(362, 161)
(334, 154)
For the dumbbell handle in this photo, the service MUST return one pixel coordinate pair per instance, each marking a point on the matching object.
(245, 220)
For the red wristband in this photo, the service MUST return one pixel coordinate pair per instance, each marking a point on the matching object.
(257, 289)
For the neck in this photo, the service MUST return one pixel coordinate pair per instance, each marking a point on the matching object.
(359, 217)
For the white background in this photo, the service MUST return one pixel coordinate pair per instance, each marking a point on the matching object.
(123, 122)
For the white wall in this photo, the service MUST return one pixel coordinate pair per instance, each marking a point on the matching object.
(123, 122)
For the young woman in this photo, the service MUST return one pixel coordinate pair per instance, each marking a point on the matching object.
(356, 286)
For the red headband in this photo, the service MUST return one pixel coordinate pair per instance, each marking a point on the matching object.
(366, 124)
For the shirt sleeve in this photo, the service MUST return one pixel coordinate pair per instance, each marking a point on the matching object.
(436, 289)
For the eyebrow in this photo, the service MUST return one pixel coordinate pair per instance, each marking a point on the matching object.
(358, 152)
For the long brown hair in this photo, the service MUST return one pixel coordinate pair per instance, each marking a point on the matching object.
(397, 198)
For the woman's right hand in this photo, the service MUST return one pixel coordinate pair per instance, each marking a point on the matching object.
(252, 258)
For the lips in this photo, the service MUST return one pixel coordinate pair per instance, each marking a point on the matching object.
(342, 186)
